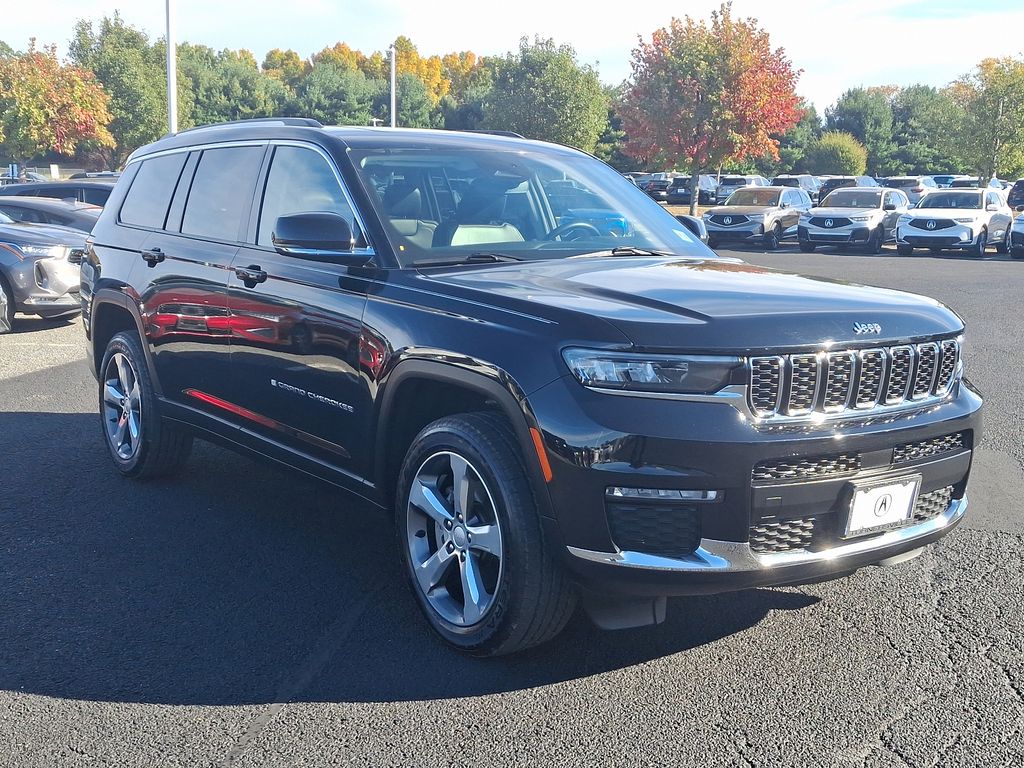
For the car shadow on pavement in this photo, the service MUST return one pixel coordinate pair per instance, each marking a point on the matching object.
(31, 324)
(242, 583)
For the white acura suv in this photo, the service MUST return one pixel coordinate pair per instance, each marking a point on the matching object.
(958, 219)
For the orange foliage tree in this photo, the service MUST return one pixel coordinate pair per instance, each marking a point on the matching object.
(703, 94)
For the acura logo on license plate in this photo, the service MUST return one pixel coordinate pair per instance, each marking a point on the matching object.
(829, 223)
(883, 505)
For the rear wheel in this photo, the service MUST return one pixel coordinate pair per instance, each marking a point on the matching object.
(772, 238)
(905, 250)
(470, 538)
(6, 307)
(807, 247)
(141, 443)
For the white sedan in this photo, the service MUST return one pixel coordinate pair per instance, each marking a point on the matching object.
(958, 219)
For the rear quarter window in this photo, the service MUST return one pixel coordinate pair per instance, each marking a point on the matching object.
(151, 191)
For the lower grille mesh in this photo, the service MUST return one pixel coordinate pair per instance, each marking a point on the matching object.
(669, 530)
(923, 449)
(813, 466)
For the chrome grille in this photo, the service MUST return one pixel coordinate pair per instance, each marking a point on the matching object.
(812, 466)
(950, 355)
(933, 504)
(872, 372)
(803, 384)
(783, 536)
(765, 384)
(900, 371)
(927, 359)
(923, 449)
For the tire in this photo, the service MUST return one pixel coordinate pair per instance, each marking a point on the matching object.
(875, 240)
(773, 238)
(905, 250)
(525, 599)
(807, 247)
(1004, 247)
(155, 447)
(1017, 253)
(6, 307)
(978, 249)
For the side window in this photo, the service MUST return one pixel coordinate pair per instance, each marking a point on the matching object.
(151, 190)
(301, 181)
(20, 214)
(95, 196)
(221, 190)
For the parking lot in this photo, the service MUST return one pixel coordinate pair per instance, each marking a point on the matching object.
(245, 615)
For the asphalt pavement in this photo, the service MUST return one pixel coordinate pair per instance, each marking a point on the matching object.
(244, 615)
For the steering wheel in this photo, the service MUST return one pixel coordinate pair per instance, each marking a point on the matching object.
(583, 227)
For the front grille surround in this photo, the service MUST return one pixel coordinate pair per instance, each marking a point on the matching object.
(939, 224)
(801, 385)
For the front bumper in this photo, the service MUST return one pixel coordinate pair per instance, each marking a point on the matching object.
(47, 287)
(958, 237)
(853, 233)
(747, 232)
(635, 442)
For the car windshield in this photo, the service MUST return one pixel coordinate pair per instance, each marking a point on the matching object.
(852, 198)
(951, 200)
(903, 183)
(762, 197)
(733, 181)
(786, 181)
(522, 203)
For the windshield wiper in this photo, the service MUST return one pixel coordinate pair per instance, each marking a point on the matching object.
(632, 250)
(480, 257)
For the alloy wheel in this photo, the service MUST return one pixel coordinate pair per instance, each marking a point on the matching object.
(454, 539)
(5, 309)
(122, 406)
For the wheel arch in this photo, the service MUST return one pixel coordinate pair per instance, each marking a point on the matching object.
(111, 314)
(418, 391)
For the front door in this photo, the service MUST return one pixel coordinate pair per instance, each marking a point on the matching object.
(297, 324)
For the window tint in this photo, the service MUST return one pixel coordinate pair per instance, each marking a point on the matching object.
(301, 181)
(221, 191)
(21, 214)
(94, 196)
(151, 190)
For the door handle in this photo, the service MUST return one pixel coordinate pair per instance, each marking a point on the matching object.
(251, 275)
(152, 256)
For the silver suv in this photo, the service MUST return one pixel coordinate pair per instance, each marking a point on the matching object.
(764, 215)
(729, 184)
(853, 215)
(915, 187)
(959, 219)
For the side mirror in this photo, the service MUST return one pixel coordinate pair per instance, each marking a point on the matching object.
(695, 225)
(318, 236)
(890, 206)
(1019, 209)
(783, 205)
(991, 208)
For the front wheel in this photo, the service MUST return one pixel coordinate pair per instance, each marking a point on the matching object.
(470, 539)
(874, 243)
(978, 250)
(807, 247)
(905, 250)
(772, 238)
(1017, 253)
(141, 443)
(1004, 247)
(6, 307)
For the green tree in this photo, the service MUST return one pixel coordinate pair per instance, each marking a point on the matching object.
(921, 117)
(543, 93)
(837, 153)
(6, 52)
(228, 85)
(990, 105)
(285, 66)
(705, 94)
(132, 71)
(336, 95)
(611, 146)
(793, 145)
(49, 107)
(866, 114)
(463, 108)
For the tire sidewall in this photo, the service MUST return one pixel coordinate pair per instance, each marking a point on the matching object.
(505, 492)
(7, 320)
(128, 344)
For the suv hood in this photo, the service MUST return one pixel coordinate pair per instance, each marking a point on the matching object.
(742, 210)
(946, 213)
(843, 213)
(41, 234)
(702, 304)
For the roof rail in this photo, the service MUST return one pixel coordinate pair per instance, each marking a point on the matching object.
(509, 134)
(308, 122)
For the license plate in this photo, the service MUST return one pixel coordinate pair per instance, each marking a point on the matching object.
(882, 506)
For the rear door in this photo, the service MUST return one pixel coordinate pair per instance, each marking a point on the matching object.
(182, 274)
(299, 354)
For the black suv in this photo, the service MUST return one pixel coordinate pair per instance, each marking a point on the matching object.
(558, 402)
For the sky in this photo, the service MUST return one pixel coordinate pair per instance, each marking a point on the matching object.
(839, 44)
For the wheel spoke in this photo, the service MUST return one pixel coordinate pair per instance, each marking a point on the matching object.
(123, 374)
(111, 395)
(135, 396)
(461, 485)
(425, 499)
(122, 425)
(133, 427)
(485, 538)
(430, 572)
(474, 593)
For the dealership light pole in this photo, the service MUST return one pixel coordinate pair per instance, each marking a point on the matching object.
(394, 53)
(172, 72)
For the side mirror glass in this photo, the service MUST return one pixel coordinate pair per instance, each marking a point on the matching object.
(319, 236)
(991, 207)
(1019, 209)
(695, 225)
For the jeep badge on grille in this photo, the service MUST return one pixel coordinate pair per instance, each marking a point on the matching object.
(864, 328)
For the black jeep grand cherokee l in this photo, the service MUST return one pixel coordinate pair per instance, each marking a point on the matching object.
(562, 397)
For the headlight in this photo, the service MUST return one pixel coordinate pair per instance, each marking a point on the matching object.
(692, 374)
(970, 220)
(755, 216)
(805, 217)
(43, 251)
(904, 219)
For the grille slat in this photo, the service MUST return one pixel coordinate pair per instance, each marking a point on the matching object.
(803, 384)
(924, 449)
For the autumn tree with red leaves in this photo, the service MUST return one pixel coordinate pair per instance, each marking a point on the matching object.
(46, 106)
(703, 94)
